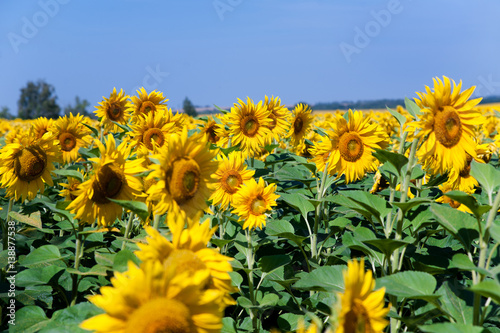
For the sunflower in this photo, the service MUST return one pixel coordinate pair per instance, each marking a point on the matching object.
(301, 124)
(447, 126)
(447, 187)
(348, 148)
(72, 135)
(41, 126)
(188, 250)
(252, 201)
(209, 129)
(248, 125)
(146, 103)
(183, 175)
(112, 178)
(26, 164)
(113, 109)
(152, 130)
(361, 308)
(230, 175)
(68, 189)
(279, 117)
(155, 298)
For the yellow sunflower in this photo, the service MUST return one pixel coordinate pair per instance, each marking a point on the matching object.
(68, 189)
(112, 109)
(188, 250)
(361, 308)
(252, 201)
(447, 126)
(155, 298)
(26, 164)
(41, 126)
(248, 124)
(209, 129)
(72, 135)
(300, 125)
(112, 178)
(183, 175)
(279, 117)
(152, 130)
(146, 103)
(348, 148)
(230, 175)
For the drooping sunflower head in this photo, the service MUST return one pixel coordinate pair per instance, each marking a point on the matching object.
(113, 109)
(300, 124)
(349, 146)
(155, 298)
(361, 309)
(279, 115)
(231, 174)
(249, 125)
(146, 103)
(183, 175)
(72, 135)
(26, 164)
(253, 201)
(209, 129)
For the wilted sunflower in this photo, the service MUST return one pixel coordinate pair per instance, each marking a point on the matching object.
(41, 126)
(230, 175)
(146, 103)
(113, 177)
(447, 126)
(300, 125)
(248, 125)
(183, 175)
(252, 201)
(188, 251)
(26, 164)
(348, 148)
(152, 130)
(72, 135)
(114, 109)
(279, 117)
(155, 298)
(361, 309)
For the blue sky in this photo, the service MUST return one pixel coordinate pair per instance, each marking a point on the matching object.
(215, 51)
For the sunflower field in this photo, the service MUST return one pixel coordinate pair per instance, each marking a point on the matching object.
(256, 219)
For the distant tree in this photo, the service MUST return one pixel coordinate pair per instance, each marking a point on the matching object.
(38, 100)
(81, 107)
(189, 108)
(4, 113)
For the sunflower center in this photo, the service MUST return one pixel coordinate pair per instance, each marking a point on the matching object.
(249, 125)
(230, 181)
(448, 127)
(212, 136)
(30, 163)
(185, 261)
(258, 205)
(108, 184)
(147, 106)
(466, 170)
(273, 122)
(161, 315)
(153, 135)
(298, 124)
(357, 319)
(68, 141)
(114, 111)
(351, 146)
(184, 179)
(41, 132)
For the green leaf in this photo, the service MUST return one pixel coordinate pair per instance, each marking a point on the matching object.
(269, 300)
(97, 270)
(488, 288)
(284, 229)
(137, 207)
(406, 206)
(399, 117)
(29, 319)
(409, 284)
(469, 201)
(228, 325)
(94, 130)
(32, 220)
(454, 305)
(325, 278)
(461, 225)
(412, 108)
(387, 246)
(298, 202)
(37, 275)
(495, 232)
(397, 160)
(69, 319)
(486, 175)
(451, 328)
(463, 262)
(43, 256)
(122, 258)
(125, 128)
(367, 204)
(69, 173)
(270, 263)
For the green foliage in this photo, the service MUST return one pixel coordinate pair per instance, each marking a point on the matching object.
(38, 100)
(189, 108)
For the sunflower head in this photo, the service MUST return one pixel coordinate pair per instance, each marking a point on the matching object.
(113, 109)
(72, 135)
(146, 103)
(279, 115)
(300, 124)
(152, 130)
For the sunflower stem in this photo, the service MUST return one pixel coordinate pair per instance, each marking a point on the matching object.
(156, 221)
(78, 254)
(5, 226)
(250, 261)
(314, 235)
(127, 229)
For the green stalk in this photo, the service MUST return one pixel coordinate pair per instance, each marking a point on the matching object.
(250, 262)
(314, 235)
(78, 254)
(127, 229)
(156, 221)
